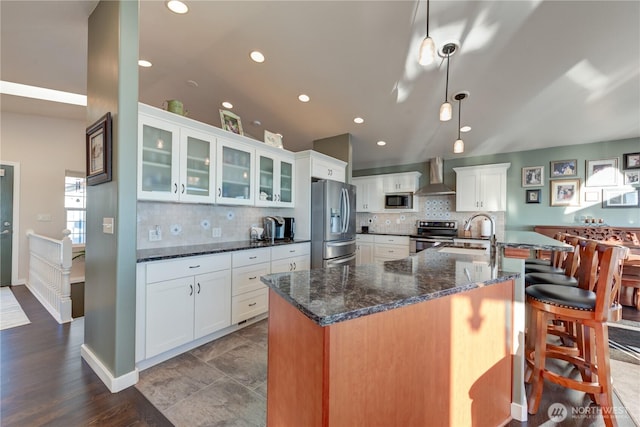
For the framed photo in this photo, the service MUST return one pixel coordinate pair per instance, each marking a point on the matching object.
(231, 122)
(565, 192)
(272, 139)
(632, 177)
(621, 198)
(99, 151)
(564, 168)
(631, 160)
(533, 176)
(602, 172)
(533, 196)
(592, 196)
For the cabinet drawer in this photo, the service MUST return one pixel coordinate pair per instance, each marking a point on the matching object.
(392, 240)
(286, 251)
(189, 266)
(365, 238)
(249, 305)
(247, 278)
(250, 257)
(391, 251)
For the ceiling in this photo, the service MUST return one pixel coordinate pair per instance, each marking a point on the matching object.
(539, 73)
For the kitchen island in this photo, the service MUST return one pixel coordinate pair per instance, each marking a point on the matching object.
(425, 340)
(433, 339)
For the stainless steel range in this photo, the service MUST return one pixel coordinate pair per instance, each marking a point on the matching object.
(432, 233)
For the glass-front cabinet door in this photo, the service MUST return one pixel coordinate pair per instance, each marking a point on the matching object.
(158, 152)
(197, 151)
(235, 173)
(274, 179)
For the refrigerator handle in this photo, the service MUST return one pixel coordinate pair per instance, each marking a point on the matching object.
(345, 214)
(348, 220)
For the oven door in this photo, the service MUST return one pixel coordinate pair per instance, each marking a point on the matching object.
(418, 244)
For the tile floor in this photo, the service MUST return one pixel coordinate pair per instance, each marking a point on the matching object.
(223, 383)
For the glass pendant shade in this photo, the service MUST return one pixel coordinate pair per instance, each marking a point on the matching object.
(458, 146)
(445, 112)
(427, 53)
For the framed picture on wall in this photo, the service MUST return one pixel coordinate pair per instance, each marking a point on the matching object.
(592, 196)
(631, 160)
(632, 177)
(602, 173)
(533, 196)
(231, 122)
(565, 192)
(533, 176)
(621, 198)
(98, 151)
(564, 168)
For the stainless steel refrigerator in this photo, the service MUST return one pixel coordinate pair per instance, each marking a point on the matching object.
(333, 224)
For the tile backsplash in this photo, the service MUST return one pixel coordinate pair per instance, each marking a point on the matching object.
(437, 208)
(183, 224)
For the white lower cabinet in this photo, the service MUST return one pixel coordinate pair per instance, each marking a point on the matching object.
(250, 296)
(364, 249)
(182, 305)
(293, 257)
(389, 248)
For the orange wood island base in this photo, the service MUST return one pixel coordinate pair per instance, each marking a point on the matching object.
(441, 362)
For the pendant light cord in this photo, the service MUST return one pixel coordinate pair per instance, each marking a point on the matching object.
(427, 18)
(459, 115)
(446, 88)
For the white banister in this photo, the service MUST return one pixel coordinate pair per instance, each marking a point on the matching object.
(50, 272)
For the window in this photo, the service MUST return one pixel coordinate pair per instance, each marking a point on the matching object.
(75, 205)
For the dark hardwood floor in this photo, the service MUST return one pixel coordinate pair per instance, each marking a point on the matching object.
(44, 381)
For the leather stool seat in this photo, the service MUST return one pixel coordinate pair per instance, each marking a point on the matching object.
(563, 296)
(537, 261)
(549, 278)
(533, 268)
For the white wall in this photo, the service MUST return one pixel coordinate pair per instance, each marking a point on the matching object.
(45, 147)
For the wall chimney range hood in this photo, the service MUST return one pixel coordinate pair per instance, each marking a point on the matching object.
(435, 186)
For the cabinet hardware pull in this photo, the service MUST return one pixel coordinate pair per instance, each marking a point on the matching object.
(198, 287)
(294, 266)
(182, 188)
(292, 251)
(290, 267)
(253, 278)
(194, 266)
(219, 191)
(175, 185)
(252, 304)
(190, 290)
(253, 257)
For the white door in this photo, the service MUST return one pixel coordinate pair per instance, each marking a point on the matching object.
(6, 223)
(212, 303)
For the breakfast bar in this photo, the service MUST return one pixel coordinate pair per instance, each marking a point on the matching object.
(432, 339)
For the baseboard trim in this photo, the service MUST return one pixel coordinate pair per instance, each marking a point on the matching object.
(114, 384)
(518, 412)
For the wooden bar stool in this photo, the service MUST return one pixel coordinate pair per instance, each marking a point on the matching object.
(567, 277)
(555, 265)
(588, 307)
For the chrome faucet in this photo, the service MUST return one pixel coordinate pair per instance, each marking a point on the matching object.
(492, 238)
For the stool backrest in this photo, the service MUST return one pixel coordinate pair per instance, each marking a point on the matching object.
(607, 286)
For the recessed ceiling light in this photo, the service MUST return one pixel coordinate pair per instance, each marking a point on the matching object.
(227, 104)
(256, 123)
(304, 98)
(177, 6)
(257, 56)
(381, 143)
(358, 120)
(465, 128)
(144, 63)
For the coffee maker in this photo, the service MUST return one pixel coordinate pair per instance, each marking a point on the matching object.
(279, 228)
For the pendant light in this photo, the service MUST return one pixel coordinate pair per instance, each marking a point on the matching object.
(445, 108)
(427, 54)
(458, 146)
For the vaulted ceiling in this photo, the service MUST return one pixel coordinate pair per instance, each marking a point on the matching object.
(539, 73)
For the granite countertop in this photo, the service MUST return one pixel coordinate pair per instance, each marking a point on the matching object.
(336, 294)
(156, 254)
(532, 240)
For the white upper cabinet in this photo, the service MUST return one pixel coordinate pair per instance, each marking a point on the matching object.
(481, 188)
(369, 195)
(197, 151)
(274, 179)
(321, 166)
(235, 173)
(406, 182)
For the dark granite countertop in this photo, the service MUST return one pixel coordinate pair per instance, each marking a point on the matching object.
(156, 254)
(336, 294)
(532, 240)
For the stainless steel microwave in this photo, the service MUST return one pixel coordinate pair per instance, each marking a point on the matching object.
(398, 201)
